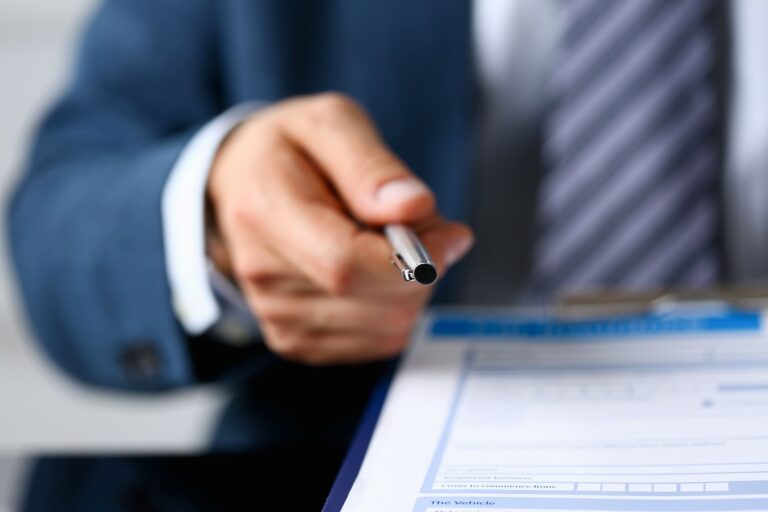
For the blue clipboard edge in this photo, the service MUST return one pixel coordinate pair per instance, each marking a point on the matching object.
(359, 445)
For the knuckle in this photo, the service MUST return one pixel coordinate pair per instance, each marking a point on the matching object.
(249, 269)
(241, 215)
(319, 318)
(394, 345)
(375, 166)
(273, 313)
(335, 103)
(339, 272)
(279, 161)
(260, 277)
(287, 344)
(241, 269)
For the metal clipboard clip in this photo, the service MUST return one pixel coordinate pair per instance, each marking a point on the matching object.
(618, 303)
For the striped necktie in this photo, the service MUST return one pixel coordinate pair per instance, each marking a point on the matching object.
(630, 198)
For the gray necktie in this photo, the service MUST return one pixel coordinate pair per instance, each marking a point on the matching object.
(630, 197)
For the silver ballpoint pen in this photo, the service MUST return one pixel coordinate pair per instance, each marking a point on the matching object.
(409, 255)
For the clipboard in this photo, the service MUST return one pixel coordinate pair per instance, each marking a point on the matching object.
(730, 313)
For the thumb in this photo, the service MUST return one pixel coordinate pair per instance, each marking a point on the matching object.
(373, 183)
(396, 196)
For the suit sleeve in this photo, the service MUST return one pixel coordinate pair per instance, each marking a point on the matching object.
(85, 221)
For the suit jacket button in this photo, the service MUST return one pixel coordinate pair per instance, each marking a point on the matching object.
(140, 362)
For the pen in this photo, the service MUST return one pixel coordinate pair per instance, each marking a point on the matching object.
(409, 255)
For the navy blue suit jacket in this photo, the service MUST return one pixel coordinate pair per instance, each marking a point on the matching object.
(86, 223)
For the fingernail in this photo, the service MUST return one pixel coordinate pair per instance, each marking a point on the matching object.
(401, 191)
(457, 249)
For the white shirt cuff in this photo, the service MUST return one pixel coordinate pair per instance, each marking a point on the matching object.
(183, 217)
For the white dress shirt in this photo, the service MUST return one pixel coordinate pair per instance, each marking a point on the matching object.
(514, 43)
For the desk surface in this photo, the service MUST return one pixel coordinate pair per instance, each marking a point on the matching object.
(356, 453)
(261, 480)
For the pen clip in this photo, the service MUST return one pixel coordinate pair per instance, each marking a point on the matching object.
(400, 265)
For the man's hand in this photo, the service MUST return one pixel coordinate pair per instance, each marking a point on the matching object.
(293, 191)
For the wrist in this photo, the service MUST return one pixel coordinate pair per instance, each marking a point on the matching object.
(213, 188)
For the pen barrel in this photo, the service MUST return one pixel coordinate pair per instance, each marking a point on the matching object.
(407, 246)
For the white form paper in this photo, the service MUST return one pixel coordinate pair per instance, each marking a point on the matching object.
(502, 413)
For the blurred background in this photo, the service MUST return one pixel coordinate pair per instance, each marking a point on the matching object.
(41, 410)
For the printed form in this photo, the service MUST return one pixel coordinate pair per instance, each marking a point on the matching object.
(502, 413)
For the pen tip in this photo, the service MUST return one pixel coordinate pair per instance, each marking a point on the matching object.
(425, 273)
